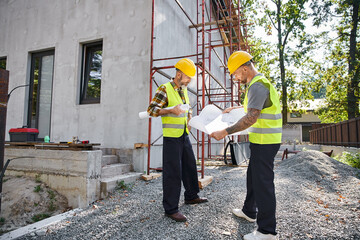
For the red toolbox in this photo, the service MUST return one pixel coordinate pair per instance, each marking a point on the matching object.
(23, 134)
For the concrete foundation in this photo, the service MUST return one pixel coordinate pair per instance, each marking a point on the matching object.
(74, 174)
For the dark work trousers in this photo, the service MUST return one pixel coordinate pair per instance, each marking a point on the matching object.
(178, 164)
(260, 202)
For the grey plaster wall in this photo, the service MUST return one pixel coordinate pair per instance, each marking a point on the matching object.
(64, 25)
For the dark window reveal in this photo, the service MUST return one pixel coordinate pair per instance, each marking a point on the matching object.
(3, 63)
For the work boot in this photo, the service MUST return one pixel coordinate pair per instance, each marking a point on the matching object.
(196, 201)
(179, 217)
(259, 236)
(240, 213)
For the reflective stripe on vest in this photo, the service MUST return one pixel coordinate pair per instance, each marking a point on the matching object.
(270, 116)
(265, 130)
(268, 127)
(173, 125)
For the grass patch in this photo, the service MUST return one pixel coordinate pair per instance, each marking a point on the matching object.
(39, 217)
(38, 178)
(2, 221)
(51, 194)
(51, 207)
(122, 186)
(38, 188)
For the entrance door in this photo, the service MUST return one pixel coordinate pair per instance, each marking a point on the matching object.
(40, 95)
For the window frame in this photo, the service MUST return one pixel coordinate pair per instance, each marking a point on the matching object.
(295, 114)
(40, 55)
(4, 58)
(87, 50)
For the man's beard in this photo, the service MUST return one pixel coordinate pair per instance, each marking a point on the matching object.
(243, 81)
(182, 85)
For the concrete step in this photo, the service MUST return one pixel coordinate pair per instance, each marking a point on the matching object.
(109, 159)
(107, 151)
(114, 170)
(109, 184)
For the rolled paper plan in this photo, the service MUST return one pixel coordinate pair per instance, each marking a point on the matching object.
(145, 114)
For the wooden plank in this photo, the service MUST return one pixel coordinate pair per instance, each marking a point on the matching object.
(220, 22)
(226, 45)
(150, 176)
(203, 182)
(57, 146)
(48, 148)
(140, 145)
(223, 35)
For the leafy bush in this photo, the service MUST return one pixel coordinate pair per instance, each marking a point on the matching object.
(351, 159)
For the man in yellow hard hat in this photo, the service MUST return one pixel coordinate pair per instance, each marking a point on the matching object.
(264, 123)
(179, 162)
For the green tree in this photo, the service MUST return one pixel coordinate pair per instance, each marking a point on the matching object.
(341, 75)
(288, 21)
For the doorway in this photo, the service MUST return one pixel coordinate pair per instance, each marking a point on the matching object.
(40, 92)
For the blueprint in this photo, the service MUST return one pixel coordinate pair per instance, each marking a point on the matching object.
(145, 114)
(211, 119)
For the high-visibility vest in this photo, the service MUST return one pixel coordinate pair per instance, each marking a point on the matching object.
(174, 126)
(268, 127)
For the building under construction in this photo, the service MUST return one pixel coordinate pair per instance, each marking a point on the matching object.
(89, 67)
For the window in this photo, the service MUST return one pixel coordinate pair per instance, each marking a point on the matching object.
(295, 115)
(90, 87)
(3, 63)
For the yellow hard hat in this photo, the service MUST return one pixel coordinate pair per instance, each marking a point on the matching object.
(237, 59)
(187, 66)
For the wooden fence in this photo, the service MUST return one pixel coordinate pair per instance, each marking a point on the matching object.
(346, 133)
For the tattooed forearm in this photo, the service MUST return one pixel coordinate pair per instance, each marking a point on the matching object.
(245, 122)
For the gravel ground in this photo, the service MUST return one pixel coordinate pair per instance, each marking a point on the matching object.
(317, 198)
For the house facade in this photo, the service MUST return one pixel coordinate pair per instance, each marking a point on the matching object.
(303, 114)
(84, 66)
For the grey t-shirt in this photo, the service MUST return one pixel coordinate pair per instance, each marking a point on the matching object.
(258, 96)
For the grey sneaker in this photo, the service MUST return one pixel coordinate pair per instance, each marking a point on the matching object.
(259, 236)
(240, 213)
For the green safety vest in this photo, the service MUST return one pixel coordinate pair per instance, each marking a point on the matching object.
(174, 126)
(268, 127)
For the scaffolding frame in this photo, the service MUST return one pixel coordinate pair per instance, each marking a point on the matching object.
(232, 27)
